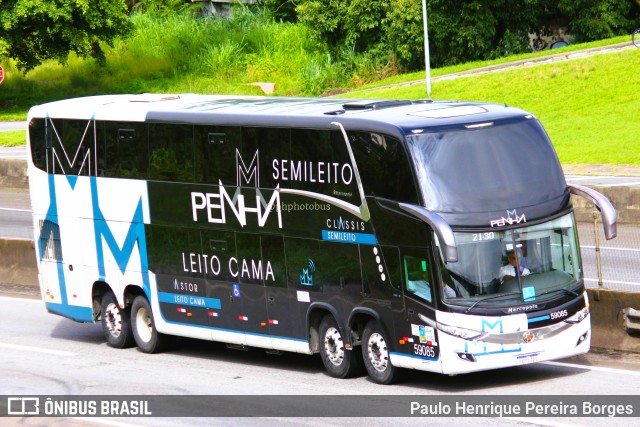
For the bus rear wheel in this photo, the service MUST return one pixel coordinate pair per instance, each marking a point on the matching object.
(338, 361)
(144, 328)
(376, 354)
(116, 323)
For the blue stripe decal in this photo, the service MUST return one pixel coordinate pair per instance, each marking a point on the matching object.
(539, 319)
(415, 356)
(74, 312)
(135, 236)
(190, 300)
(348, 237)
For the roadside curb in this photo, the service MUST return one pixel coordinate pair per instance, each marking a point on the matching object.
(13, 173)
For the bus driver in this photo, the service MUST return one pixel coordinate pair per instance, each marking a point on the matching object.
(509, 271)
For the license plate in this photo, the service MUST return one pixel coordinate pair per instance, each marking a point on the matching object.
(525, 359)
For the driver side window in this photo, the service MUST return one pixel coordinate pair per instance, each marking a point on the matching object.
(418, 277)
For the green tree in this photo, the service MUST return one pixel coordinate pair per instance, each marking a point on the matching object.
(283, 10)
(32, 31)
(597, 19)
(459, 30)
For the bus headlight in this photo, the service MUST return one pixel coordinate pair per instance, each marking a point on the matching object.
(465, 334)
(456, 331)
(579, 316)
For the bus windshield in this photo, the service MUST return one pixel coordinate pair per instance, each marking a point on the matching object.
(466, 170)
(498, 268)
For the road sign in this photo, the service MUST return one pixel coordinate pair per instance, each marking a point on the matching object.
(1, 74)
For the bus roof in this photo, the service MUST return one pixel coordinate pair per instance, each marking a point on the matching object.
(403, 115)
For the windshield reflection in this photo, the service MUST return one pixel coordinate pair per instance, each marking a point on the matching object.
(503, 267)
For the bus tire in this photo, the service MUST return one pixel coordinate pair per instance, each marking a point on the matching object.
(116, 322)
(145, 333)
(338, 361)
(376, 354)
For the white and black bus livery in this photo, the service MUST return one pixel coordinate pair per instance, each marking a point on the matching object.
(437, 236)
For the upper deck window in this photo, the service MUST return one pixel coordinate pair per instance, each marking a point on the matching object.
(486, 168)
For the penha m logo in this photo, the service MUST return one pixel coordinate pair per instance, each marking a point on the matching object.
(512, 218)
(245, 173)
(70, 143)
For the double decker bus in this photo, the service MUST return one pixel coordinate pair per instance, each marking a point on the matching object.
(429, 235)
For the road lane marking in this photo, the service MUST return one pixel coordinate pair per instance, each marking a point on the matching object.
(106, 422)
(36, 349)
(586, 177)
(623, 184)
(31, 300)
(594, 368)
(612, 248)
(617, 282)
(540, 422)
(15, 210)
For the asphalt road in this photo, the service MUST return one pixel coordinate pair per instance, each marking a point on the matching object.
(7, 126)
(44, 355)
(15, 214)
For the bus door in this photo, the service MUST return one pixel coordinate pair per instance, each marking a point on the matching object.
(381, 286)
(419, 288)
(221, 281)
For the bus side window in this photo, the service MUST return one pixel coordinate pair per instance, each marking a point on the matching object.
(266, 149)
(37, 136)
(171, 152)
(71, 147)
(122, 149)
(384, 166)
(214, 146)
(417, 277)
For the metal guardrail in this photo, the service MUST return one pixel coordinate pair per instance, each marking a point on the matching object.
(610, 264)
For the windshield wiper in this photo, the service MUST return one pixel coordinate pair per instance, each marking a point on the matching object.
(510, 294)
(566, 291)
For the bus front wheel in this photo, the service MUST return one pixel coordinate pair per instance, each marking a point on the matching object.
(116, 324)
(376, 354)
(338, 361)
(144, 328)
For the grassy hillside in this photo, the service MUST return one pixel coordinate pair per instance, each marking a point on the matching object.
(585, 104)
(588, 105)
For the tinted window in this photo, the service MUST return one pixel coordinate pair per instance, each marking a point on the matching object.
(319, 162)
(487, 168)
(122, 149)
(418, 282)
(214, 154)
(63, 146)
(260, 146)
(38, 143)
(171, 152)
(383, 165)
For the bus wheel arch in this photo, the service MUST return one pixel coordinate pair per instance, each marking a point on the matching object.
(97, 292)
(315, 314)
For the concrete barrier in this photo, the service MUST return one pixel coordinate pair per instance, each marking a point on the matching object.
(18, 264)
(13, 173)
(607, 319)
(626, 200)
